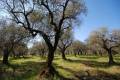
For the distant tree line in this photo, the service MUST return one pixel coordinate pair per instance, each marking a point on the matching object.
(100, 43)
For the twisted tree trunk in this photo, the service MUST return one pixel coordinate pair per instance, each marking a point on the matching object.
(111, 61)
(63, 55)
(5, 56)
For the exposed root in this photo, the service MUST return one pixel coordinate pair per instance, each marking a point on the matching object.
(47, 73)
(112, 63)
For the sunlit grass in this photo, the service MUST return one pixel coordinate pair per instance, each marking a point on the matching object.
(78, 65)
(28, 68)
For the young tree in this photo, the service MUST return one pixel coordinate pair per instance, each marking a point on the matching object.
(65, 42)
(47, 17)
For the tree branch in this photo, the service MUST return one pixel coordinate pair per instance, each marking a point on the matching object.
(50, 13)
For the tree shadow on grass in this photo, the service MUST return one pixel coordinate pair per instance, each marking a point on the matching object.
(91, 75)
(66, 69)
(97, 75)
(93, 63)
(117, 58)
(26, 71)
(30, 69)
(15, 58)
(90, 57)
(61, 77)
(56, 58)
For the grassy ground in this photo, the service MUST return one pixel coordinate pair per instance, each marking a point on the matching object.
(75, 68)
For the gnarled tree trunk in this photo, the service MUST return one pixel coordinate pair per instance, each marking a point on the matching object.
(63, 55)
(111, 61)
(48, 71)
(5, 56)
(50, 57)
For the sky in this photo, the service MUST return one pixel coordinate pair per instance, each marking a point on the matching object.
(100, 13)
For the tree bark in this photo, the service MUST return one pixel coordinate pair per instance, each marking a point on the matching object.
(100, 53)
(49, 71)
(81, 52)
(75, 53)
(78, 52)
(63, 55)
(13, 53)
(5, 56)
(111, 61)
(50, 58)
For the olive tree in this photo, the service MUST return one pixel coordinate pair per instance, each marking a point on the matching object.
(39, 48)
(93, 46)
(20, 49)
(108, 41)
(47, 18)
(65, 41)
(10, 35)
(79, 47)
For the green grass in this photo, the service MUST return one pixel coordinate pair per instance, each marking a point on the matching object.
(74, 68)
(81, 64)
